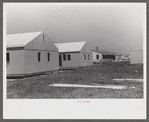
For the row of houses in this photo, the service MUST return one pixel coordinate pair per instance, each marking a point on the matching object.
(33, 53)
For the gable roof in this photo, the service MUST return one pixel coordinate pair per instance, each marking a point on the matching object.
(21, 39)
(70, 46)
(138, 47)
(104, 52)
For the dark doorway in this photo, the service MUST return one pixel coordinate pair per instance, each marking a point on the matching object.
(109, 57)
(60, 60)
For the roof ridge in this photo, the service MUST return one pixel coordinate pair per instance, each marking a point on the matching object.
(99, 51)
(136, 46)
(20, 36)
(69, 42)
(25, 32)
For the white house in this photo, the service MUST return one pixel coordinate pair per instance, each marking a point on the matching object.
(119, 57)
(122, 57)
(30, 53)
(100, 56)
(97, 56)
(136, 54)
(75, 54)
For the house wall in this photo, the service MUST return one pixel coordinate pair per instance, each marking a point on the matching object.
(89, 46)
(136, 57)
(77, 60)
(16, 65)
(95, 57)
(25, 60)
(32, 65)
(44, 45)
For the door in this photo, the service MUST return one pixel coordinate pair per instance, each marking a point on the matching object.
(60, 60)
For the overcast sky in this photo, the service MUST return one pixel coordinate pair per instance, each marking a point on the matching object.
(114, 27)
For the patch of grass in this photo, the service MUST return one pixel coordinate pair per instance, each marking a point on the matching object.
(38, 87)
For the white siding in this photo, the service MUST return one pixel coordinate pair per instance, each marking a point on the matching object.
(87, 62)
(53, 64)
(33, 66)
(95, 57)
(136, 57)
(77, 60)
(41, 44)
(16, 65)
(26, 61)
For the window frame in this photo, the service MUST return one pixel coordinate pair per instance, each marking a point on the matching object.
(84, 56)
(64, 57)
(48, 56)
(69, 57)
(8, 57)
(39, 56)
(97, 56)
(88, 57)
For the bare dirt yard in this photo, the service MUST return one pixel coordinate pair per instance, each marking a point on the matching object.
(37, 87)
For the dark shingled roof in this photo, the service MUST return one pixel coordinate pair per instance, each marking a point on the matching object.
(104, 52)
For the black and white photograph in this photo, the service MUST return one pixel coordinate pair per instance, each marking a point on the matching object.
(92, 54)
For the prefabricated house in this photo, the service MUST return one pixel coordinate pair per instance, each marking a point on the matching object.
(136, 54)
(30, 53)
(119, 57)
(122, 58)
(100, 56)
(75, 54)
(97, 56)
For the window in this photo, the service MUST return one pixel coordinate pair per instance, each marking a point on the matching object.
(84, 56)
(8, 57)
(38, 56)
(97, 56)
(43, 37)
(64, 57)
(48, 55)
(69, 57)
(88, 57)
